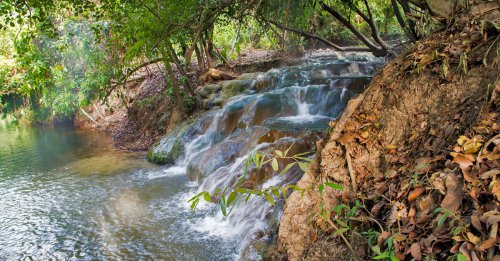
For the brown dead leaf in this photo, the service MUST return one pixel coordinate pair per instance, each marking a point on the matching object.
(455, 248)
(489, 174)
(415, 251)
(473, 145)
(487, 244)
(461, 140)
(463, 160)
(495, 189)
(383, 236)
(476, 223)
(415, 194)
(438, 184)
(464, 250)
(346, 138)
(490, 217)
(454, 192)
(365, 134)
(473, 238)
(423, 165)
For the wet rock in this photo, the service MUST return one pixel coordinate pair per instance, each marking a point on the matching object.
(171, 147)
(248, 76)
(168, 155)
(235, 87)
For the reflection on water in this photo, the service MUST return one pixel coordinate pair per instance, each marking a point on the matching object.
(68, 194)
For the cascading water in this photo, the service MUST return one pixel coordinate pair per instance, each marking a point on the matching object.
(275, 110)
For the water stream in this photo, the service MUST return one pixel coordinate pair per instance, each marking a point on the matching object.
(69, 194)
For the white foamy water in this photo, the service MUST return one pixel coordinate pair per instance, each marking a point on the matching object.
(172, 171)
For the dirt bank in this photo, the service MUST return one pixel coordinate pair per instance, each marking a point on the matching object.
(420, 192)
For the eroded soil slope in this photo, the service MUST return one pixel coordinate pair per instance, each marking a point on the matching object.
(419, 151)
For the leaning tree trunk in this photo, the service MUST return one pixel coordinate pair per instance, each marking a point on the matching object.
(391, 139)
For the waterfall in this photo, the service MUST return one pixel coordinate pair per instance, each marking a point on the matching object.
(278, 108)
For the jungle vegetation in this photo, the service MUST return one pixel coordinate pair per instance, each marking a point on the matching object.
(58, 55)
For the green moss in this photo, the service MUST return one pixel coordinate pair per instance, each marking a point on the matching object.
(169, 157)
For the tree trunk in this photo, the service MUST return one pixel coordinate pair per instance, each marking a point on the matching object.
(172, 78)
(199, 59)
(173, 55)
(206, 47)
(402, 22)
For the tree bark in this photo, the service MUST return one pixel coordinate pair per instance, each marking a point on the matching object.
(199, 59)
(378, 51)
(402, 22)
(321, 39)
(171, 76)
(173, 55)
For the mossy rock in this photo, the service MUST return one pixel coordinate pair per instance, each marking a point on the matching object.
(248, 76)
(235, 87)
(167, 157)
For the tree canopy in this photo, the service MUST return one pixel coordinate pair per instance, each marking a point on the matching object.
(60, 54)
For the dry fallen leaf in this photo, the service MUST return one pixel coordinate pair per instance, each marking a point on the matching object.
(495, 189)
(464, 160)
(485, 245)
(461, 140)
(472, 146)
(490, 217)
(490, 174)
(454, 192)
(473, 238)
(415, 194)
(415, 251)
(346, 138)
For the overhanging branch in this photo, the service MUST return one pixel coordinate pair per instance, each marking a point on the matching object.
(319, 38)
(124, 78)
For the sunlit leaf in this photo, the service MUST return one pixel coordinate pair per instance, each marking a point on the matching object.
(270, 199)
(334, 186)
(304, 166)
(275, 164)
(287, 168)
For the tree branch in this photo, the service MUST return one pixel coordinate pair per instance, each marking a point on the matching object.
(319, 38)
(354, 30)
(402, 22)
(124, 78)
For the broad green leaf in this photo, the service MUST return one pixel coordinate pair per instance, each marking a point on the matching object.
(279, 153)
(206, 197)
(223, 206)
(342, 223)
(341, 230)
(287, 150)
(287, 168)
(321, 188)
(231, 198)
(304, 166)
(443, 218)
(275, 164)
(334, 186)
(195, 203)
(461, 257)
(270, 199)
